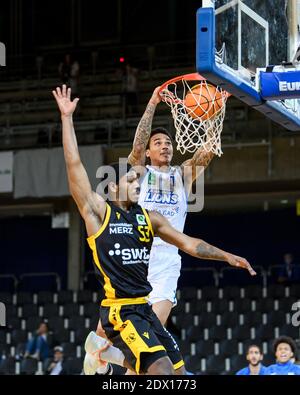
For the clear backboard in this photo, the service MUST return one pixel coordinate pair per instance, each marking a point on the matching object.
(238, 41)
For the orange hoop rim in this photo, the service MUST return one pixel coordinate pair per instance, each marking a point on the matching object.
(185, 77)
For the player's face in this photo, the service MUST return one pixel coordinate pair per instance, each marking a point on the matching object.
(254, 356)
(129, 187)
(160, 150)
(283, 353)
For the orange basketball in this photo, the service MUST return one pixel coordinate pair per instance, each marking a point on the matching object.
(203, 101)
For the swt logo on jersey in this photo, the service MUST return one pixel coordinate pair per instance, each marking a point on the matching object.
(131, 256)
(161, 197)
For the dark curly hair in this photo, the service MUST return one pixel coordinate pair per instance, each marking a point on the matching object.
(157, 131)
(285, 339)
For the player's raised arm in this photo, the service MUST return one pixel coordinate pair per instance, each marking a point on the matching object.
(88, 202)
(192, 168)
(192, 246)
(137, 155)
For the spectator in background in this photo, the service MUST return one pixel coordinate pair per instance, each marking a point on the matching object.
(130, 89)
(56, 365)
(285, 351)
(254, 356)
(287, 274)
(37, 347)
(69, 73)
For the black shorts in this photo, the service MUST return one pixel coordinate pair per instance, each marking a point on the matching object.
(138, 333)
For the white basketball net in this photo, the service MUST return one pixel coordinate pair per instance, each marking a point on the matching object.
(193, 132)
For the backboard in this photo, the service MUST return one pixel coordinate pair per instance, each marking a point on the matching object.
(238, 39)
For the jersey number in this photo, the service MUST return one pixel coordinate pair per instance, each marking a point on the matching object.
(145, 232)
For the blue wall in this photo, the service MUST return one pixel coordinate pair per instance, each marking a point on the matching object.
(29, 245)
(261, 237)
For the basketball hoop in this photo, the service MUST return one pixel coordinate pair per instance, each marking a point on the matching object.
(198, 109)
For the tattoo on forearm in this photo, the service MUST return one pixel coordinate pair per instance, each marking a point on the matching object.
(207, 251)
(143, 130)
(202, 158)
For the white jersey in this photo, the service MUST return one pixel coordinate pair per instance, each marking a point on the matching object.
(164, 192)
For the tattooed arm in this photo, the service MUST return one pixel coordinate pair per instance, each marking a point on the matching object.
(192, 246)
(143, 131)
(192, 168)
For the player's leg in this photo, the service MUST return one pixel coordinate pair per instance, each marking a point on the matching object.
(162, 366)
(180, 371)
(111, 354)
(162, 309)
(168, 341)
(164, 271)
(163, 294)
(100, 353)
(99, 331)
(129, 328)
(93, 365)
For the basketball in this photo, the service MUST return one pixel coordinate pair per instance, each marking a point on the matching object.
(203, 101)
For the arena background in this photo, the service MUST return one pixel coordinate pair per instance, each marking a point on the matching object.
(252, 200)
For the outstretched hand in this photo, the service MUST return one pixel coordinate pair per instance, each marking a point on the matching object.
(237, 261)
(63, 100)
(156, 98)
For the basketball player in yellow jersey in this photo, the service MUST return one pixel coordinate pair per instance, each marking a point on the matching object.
(127, 319)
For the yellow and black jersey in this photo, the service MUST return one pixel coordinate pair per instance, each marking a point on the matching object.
(121, 251)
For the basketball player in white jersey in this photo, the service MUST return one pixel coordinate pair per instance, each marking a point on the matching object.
(164, 188)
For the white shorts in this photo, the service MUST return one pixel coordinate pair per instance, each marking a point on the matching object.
(164, 271)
